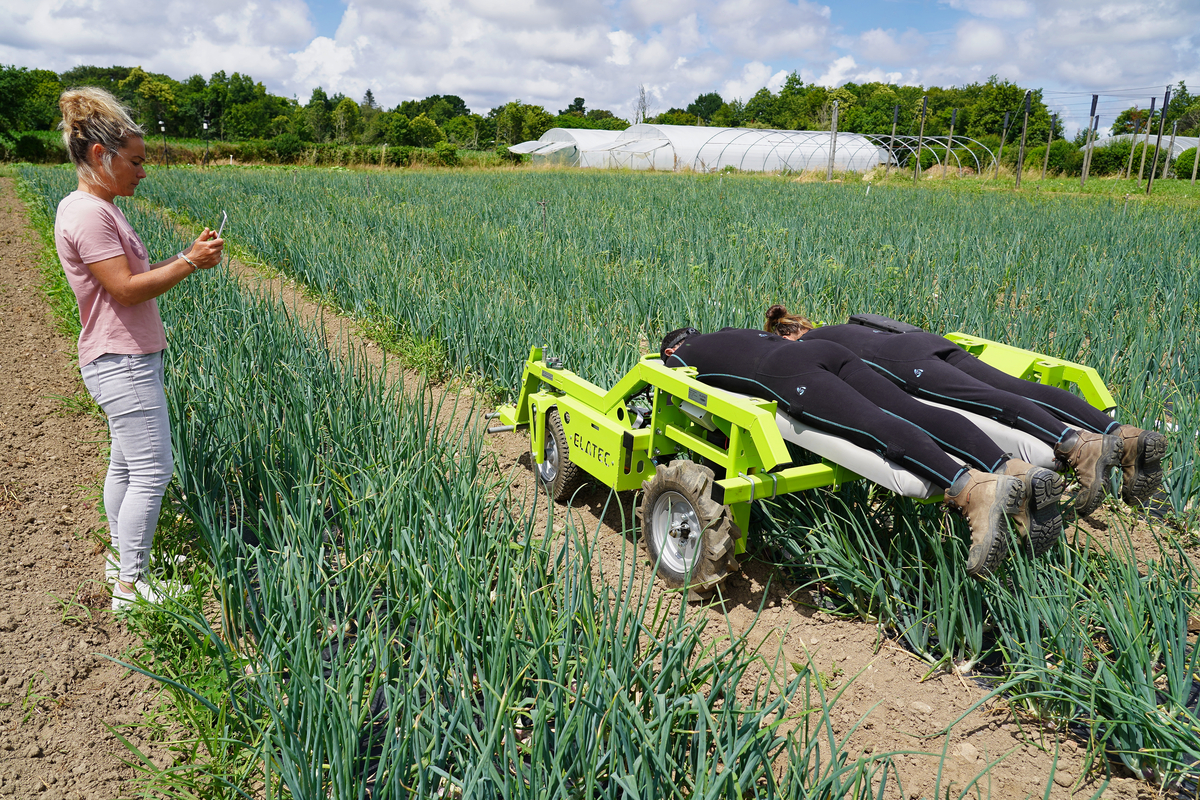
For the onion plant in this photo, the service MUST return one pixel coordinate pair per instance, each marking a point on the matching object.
(1087, 638)
(597, 265)
(386, 626)
(877, 554)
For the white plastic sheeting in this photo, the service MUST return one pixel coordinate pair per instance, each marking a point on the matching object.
(675, 147)
(1181, 142)
(564, 145)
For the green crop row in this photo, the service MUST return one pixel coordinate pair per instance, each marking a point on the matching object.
(1142, 713)
(1084, 636)
(387, 627)
(597, 266)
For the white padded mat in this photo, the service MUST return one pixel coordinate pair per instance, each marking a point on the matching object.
(890, 475)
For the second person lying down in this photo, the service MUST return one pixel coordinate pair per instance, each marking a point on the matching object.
(930, 366)
(826, 386)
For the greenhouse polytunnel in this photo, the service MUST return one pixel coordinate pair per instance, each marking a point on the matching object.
(675, 147)
(1181, 142)
(563, 146)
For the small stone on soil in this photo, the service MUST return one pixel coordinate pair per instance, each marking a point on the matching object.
(968, 752)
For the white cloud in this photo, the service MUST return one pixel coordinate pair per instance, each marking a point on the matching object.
(322, 63)
(549, 51)
(649, 13)
(169, 36)
(838, 72)
(883, 46)
(755, 76)
(846, 70)
(979, 41)
(622, 43)
(768, 28)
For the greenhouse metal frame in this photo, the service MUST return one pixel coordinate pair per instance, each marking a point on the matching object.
(704, 149)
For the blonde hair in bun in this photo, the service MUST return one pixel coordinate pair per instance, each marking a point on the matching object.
(93, 116)
(779, 321)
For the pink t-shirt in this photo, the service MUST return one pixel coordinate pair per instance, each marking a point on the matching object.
(88, 230)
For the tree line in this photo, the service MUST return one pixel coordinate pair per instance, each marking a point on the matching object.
(991, 109)
(235, 108)
(238, 108)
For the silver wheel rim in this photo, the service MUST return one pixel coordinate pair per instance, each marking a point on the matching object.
(676, 530)
(548, 469)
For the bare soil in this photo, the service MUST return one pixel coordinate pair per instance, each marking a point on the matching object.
(59, 688)
(59, 692)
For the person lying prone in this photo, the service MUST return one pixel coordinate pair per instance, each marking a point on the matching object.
(930, 366)
(824, 385)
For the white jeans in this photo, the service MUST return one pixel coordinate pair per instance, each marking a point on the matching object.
(130, 390)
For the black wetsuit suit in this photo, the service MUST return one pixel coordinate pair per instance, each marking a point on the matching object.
(935, 368)
(826, 386)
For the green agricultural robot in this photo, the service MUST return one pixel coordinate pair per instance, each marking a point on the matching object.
(702, 455)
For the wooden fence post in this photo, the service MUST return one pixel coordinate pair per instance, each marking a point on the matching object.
(1162, 123)
(892, 148)
(1024, 130)
(1170, 150)
(1003, 136)
(920, 137)
(832, 141)
(1146, 143)
(950, 140)
(1049, 141)
(1137, 128)
(1087, 153)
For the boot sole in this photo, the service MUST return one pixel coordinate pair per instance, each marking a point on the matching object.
(1088, 501)
(1147, 471)
(1015, 496)
(1045, 513)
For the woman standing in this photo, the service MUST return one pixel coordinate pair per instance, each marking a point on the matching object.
(122, 338)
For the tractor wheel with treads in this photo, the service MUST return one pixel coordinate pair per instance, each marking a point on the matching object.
(689, 536)
(557, 472)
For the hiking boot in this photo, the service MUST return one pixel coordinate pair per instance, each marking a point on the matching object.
(1141, 463)
(1040, 520)
(1093, 456)
(985, 500)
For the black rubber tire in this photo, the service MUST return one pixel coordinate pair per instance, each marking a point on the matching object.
(678, 498)
(558, 473)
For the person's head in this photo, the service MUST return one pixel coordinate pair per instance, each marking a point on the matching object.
(105, 144)
(789, 326)
(673, 339)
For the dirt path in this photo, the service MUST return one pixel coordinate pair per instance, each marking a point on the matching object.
(57, 690)
(58, 747)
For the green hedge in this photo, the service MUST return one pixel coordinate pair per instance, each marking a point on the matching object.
(45, 147)
(33, 147)
(1185, 163)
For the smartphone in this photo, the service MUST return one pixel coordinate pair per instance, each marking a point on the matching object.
(224, 219)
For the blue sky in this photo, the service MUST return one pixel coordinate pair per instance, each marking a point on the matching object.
(326, 16)
(550, 51)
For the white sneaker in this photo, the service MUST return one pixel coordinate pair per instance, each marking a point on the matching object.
(122, 600)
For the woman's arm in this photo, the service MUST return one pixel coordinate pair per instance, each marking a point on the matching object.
(129, 289)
